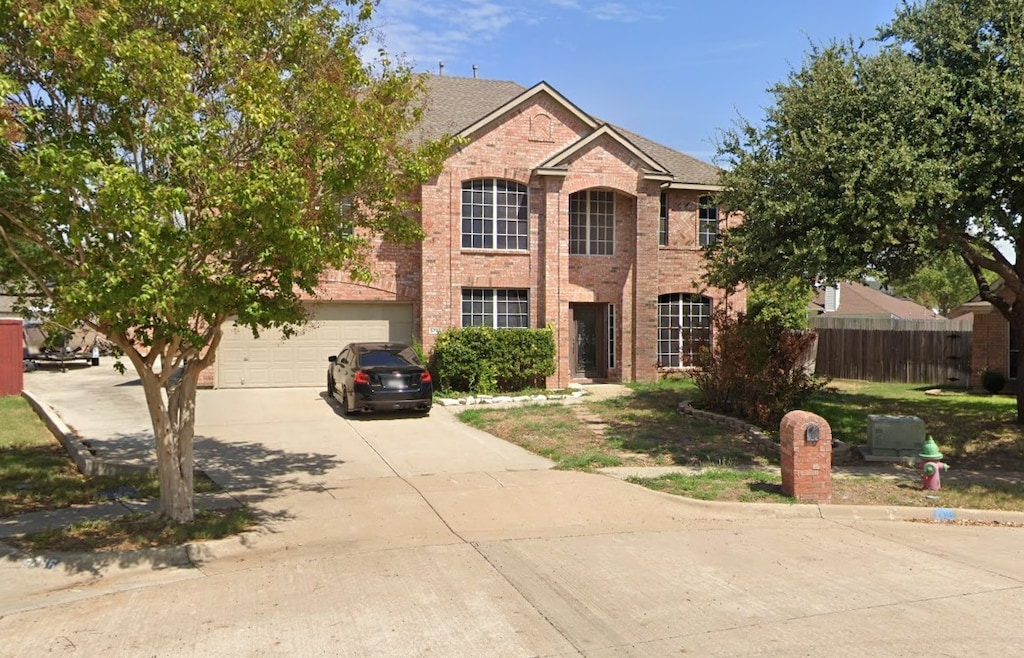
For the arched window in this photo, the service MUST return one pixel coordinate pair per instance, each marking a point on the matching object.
(495, 215)
(684, 328)
(592, 223)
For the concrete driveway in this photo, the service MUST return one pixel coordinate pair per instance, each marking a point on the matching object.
(386, 538)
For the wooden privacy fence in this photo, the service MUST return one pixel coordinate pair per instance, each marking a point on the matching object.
(884, 350)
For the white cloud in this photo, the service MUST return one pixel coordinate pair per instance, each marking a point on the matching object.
(432, 31)
(613, 11)
(429, 31)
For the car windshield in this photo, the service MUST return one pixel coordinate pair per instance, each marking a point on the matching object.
(385, 358)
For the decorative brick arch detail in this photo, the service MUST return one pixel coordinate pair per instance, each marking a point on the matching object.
(540, 128)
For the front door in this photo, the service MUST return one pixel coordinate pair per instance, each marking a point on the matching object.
(587, 355)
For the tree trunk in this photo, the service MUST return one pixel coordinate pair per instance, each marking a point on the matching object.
(173, 418)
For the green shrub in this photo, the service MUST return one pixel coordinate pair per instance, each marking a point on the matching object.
(992, 381)
(757, 370)
(484, 360)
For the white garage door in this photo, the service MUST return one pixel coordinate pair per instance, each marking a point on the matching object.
(270, 361)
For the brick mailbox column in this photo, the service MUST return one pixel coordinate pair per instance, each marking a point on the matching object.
(805, 445)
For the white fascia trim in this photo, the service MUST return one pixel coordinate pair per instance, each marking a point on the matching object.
(676, 185)
(558, 160)
(539, 88)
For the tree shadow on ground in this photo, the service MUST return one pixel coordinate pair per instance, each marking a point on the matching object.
(978, 431)
(247, 472)
(766, 487)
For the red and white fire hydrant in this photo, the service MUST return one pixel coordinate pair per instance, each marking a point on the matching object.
(929, 462)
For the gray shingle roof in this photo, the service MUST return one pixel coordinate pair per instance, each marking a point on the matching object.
(453, 103)
(685, 168)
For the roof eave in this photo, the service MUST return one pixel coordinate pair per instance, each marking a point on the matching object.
(702, 187)
(650, 165)
(539, 88)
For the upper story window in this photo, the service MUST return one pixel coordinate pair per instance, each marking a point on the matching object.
(592, 223)
(663, 221)
(495, 215)
(497, 308)
(707, 221)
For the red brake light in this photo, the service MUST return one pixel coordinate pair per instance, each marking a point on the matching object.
(425, 377)
(361, 377)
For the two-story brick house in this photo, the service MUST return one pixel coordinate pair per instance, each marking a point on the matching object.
(544, 216)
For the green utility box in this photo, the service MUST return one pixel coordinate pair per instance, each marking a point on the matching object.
(893, 438)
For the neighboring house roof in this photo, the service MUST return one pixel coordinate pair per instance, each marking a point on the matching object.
(459, 106)
(857, 299)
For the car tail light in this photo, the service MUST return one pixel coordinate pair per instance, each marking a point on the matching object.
(425, 377)
(361, 377)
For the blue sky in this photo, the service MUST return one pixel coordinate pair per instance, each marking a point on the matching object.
(675, 71)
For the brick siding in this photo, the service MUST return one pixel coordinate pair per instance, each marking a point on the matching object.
(433, 273)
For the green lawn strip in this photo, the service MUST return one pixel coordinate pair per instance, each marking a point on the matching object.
(37, 474)
(720, 484)
(137, 531)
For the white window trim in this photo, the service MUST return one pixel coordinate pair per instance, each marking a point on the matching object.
(611, 336)
(677, 306)
(707, 238)
(493, 219)
(494, 315)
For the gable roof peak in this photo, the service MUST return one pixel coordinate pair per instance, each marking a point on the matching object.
(461, 106)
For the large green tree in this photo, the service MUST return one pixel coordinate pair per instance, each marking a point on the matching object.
(941, 284)
(873, 161)
(168, 165)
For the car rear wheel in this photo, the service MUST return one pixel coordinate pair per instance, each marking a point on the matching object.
(330, 386)
(345, 411)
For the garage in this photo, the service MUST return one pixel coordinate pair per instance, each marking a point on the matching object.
(271, 362)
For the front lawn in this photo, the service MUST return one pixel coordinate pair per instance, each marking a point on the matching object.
(36, 474)
(646, 429)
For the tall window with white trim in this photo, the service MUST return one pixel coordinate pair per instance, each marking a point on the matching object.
(707, 221)
(684, 328)
(495, 215)
(592, 223)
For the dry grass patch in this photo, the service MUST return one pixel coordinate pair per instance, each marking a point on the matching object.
(137, 531)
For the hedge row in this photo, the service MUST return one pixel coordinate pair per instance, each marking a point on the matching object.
(488, 361)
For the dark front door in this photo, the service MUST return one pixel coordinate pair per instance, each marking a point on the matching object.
(587, 357)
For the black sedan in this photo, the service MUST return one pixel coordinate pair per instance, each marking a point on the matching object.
(379, 377)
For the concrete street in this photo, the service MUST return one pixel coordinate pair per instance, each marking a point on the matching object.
(410, 536)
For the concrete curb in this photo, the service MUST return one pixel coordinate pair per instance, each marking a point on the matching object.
(840, 512)
(165, 556)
